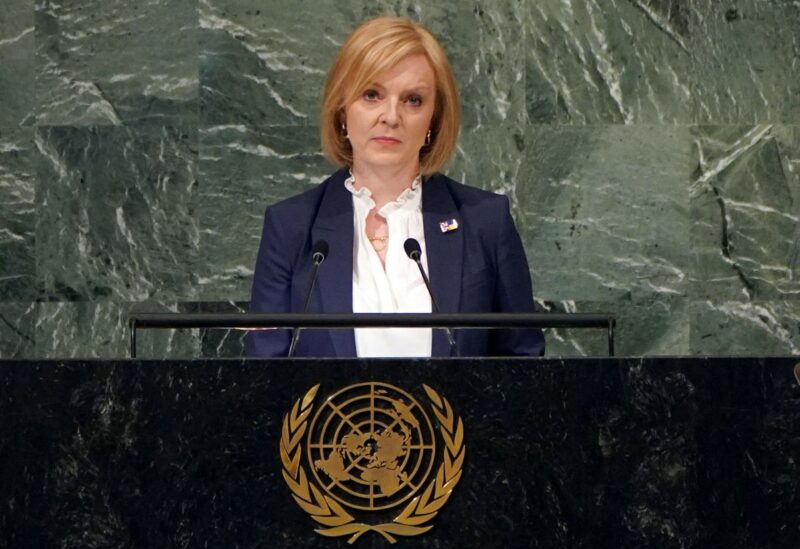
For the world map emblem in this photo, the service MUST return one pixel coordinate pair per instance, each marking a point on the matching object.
(376, 461)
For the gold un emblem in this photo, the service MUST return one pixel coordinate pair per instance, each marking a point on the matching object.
(371, 449)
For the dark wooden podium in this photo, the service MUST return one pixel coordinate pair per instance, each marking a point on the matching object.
(630, 452)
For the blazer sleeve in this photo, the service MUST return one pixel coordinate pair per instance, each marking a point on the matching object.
(513, 292)
(272, 286)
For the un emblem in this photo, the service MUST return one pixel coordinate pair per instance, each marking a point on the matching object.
(371, 449)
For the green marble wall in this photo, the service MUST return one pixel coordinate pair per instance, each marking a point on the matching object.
(651, 149)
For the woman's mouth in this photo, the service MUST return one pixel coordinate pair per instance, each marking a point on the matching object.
(385, 140)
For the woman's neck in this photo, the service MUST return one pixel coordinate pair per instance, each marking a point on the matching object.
(385, 184)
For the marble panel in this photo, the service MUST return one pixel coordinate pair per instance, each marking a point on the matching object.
(745, 327)
(594, 62)
(605, 211)
(114, 62)
(673, 61)
(17, 329)
(266, 64)
(114, 215)
(745, 65)
(487, 52)
(82, 329)
(242, 171)
(17, 215)
(652, 326)
(219, 343)
(745, 211)
(16, 61)
(492, 157)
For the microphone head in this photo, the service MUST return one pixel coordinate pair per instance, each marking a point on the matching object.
(320, 251)
(411, 246)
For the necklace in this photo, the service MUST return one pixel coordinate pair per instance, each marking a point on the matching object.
(380, 240)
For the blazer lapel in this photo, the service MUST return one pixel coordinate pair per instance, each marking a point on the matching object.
(334, 223)
(444, 250)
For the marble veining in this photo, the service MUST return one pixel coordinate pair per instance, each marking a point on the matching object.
(83, 329)
(734, 327)
(242, 170)
(17, 216)
(108, 65)
(669, 61)
(17, 336)
(649, 149)
(745, 198)
(114, 219)
(16, 62)
(618, 62)
(596, 231)
(754, 48)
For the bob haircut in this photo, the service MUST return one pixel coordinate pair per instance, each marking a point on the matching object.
(373, 48)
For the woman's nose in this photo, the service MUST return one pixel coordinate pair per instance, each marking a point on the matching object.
(391, 113)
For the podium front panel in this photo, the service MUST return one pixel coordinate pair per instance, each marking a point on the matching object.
(631, 452)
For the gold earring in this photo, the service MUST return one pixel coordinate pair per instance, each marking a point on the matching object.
(344, 131)
(428, 138)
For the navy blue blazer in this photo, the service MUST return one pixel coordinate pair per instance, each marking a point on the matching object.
(479, 267)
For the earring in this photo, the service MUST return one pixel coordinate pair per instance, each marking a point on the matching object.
(428, 138)
(344, 131)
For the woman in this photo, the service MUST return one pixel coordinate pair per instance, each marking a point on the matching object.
(390, 119)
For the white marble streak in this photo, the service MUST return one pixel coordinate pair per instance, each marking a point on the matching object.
(17, 38)
(760, 317)
(761, 208)
(273, 60)
(230, 273)
(265, 82)
(85, 102)
(751, 139)
(661, 24)
(605, 65)
(259, 150)
(49, 153)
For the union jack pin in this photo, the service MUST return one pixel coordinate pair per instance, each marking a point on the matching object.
(449, 225)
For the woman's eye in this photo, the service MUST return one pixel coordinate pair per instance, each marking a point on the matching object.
(414, 100)
(370, 95)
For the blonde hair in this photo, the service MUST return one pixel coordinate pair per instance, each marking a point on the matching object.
(373, 48)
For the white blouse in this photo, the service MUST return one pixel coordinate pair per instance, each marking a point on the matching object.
(396, 288)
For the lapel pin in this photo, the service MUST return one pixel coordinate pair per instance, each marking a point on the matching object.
(449, 225)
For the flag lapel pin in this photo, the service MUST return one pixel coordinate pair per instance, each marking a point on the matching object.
(449, 225)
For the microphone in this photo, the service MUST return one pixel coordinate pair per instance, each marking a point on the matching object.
(318, 255)
(414, 252)
(320, 252)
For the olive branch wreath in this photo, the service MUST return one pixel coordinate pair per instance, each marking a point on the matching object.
(328, 512)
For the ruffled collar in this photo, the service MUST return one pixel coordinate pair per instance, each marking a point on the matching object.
(410, 196)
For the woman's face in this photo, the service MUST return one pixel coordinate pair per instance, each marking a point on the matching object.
(388, 123)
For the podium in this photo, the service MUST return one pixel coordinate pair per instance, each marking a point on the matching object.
(612, 452)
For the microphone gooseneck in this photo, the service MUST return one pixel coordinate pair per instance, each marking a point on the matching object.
(318, 254)
(414, 252)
